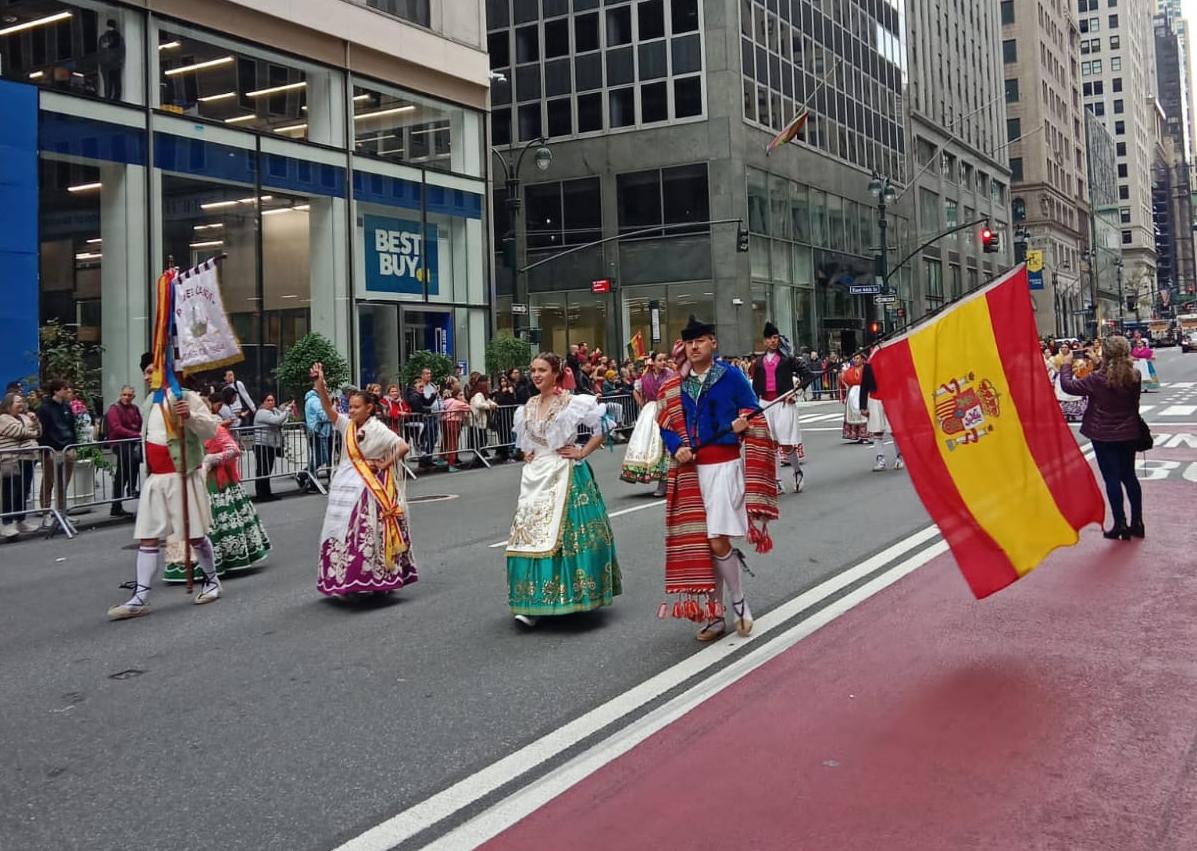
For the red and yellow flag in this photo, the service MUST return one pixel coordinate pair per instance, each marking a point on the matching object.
(636, 346)
(983, 437)
(789, 131)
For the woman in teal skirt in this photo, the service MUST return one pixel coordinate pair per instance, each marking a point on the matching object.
(560, 553)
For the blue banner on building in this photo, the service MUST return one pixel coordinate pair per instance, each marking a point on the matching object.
(19, 318)
(397, 259)
(1035, 268)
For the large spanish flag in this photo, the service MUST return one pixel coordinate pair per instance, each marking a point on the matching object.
(983, 437)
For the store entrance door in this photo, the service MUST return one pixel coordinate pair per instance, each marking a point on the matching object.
(428, 330)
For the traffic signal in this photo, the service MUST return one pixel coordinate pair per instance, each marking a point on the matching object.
(509, 252)
(741, 239)
(876, 328)
(991, 241)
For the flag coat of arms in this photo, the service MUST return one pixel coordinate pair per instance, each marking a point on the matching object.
(983, 436)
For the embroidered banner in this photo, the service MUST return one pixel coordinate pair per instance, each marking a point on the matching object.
(205, 337)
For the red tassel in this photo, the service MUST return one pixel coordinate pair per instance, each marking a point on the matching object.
(662, 610)
(677, 609)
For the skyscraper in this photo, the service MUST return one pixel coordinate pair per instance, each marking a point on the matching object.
(1045, 127)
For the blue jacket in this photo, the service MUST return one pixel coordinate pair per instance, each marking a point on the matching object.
(725, 393)
(313, 413)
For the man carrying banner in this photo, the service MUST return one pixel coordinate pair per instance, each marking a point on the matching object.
(714, 493)
(773, 375)
(175, 426)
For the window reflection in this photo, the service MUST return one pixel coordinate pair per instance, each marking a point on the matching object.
(404, 128)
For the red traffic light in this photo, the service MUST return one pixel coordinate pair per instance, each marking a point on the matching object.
(990, 241)
(986, 234)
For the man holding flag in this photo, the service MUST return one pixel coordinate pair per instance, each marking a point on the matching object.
(175, 428)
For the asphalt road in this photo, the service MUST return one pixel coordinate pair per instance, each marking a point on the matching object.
(278, 719)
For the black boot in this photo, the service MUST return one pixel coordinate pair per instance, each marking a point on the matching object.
(1136, 529)
(1119, 532)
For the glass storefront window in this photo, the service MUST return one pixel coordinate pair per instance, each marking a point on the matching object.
(218, 79)
(758, 201)
(804, 320)
(79, 48)
(760, 314)
(781, 261)
(403, 127)
(799, 212)
(674, 301)
(779, 207)
(804, 275)
(835, 222)
(818, 206)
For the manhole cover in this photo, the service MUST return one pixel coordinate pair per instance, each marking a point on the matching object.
(434, 497)
(126, 675)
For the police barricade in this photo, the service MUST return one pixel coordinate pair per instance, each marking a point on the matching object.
(99, 474)
(21, 476)
(289, 451)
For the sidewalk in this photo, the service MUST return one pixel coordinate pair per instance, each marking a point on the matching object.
(1059, 714)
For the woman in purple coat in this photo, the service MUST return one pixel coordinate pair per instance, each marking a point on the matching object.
(1111, 422)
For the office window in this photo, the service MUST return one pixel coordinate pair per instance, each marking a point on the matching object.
(1010, 50)
(619, 26)
(1120, 149)
(1086, 69)
(1123, 193)
(1012, 91)
(671, 196)
(560, 117)
(654, 102)
(1119, 128)
(1122, 172)
(1118, 109)
(1094, 25)
(651, 15)
(1016, 169)
(1096, 66)
(684, 16)
(1117, 84)
(1084, 25)
(529, 122)
(586, 32)
(687, 97)
(1098, 108)
(1088, 89)
(1099, 87)
(588, 72)
(1126, 237)
(1007, 11)
(527, 44)
(556, 38)
(590, 113)
(499, 48)
(1116, 63)
(622, 107)
(1124, 215)
(1013, 129)
(620, 67)
(1115, 42)
(1113, 22)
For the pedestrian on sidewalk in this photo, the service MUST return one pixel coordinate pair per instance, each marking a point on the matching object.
(319, 431)
(1113, 425)
(239, 401)
(872, 409)
(238, 539)
(483, 409)
(560, 552)
(646, 459)
(715, 494)
(123, 424)
(774, 374)
(19, 433)
(269, 420)
(454, 415)
(58, 432)
(160, 508)
(365, 543)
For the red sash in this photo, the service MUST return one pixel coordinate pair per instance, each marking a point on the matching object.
(157, 458)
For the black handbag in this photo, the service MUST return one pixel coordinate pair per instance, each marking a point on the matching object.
(1144, 440)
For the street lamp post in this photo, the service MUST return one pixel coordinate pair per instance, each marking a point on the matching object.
(1121, 299)
(517, 234)
(885, 193)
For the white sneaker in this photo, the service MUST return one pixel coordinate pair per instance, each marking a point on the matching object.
(47, 521)
(799, 478)
(780, 489)
(28, 526)
(899, 463)
(526, 620)
(209, 592)
(879, 464)
(8, 529)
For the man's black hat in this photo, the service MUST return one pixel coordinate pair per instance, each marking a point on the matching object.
(695, 329)
(770, 331)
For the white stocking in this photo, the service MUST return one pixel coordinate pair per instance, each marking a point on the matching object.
(147, 566)
(205, 558)
(729, 568)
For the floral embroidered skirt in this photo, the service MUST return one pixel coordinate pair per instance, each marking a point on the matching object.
(583, 573)
(356, 563)
(238, 539)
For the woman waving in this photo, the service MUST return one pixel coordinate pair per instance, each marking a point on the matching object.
(365, 545)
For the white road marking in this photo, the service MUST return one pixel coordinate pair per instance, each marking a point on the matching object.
(532, 797)
(821, 418)
(1182, 384)
(445, 803)
(1143, 409)
(1178, 411)
(619, 513)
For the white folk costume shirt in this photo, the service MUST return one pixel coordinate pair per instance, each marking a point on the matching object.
(160, 508)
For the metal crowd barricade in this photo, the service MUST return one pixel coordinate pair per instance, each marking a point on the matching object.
(21, 472)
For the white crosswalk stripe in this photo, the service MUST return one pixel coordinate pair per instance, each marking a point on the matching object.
(1178, 411)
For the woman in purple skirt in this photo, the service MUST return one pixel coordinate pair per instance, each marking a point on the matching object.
(365, 545)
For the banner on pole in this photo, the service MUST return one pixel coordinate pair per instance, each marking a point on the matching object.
(205, 337)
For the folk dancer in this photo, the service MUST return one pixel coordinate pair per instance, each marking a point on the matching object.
(873, 411)
(1145, 363)
(238, 540)
(560, 552)
(715, 494)
(179, 423)
(646, 459)
(773, 375)
(365, 543)
(855, 428)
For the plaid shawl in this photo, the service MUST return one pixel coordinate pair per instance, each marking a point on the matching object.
(689, 569)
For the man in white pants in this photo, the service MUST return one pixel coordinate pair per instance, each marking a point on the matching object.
(160, 507)
(873, 410)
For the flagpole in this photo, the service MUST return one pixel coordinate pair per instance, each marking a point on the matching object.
(806, 103)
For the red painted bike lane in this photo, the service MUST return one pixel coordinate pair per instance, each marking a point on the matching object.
(1060, 713)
